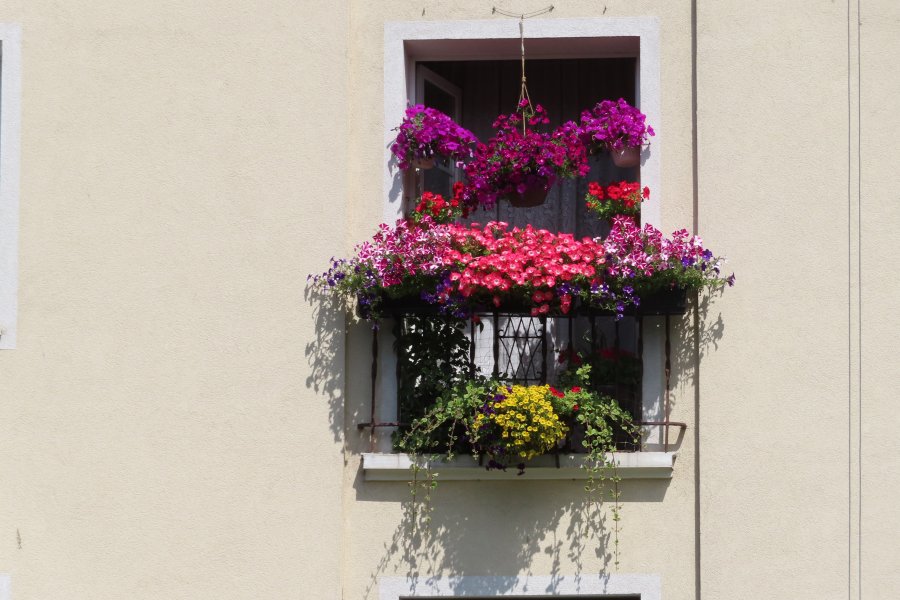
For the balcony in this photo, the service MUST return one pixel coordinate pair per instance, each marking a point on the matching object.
(515, 347)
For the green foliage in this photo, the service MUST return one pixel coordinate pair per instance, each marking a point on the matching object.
(449, 421)
(433, 356)
(601, 418)
(607, 366)
(446, 406)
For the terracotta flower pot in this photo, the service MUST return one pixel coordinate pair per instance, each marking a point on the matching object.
(630, 156)
(532, 197)
(423, 164)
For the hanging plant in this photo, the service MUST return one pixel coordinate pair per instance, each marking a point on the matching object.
(519, 160)
(508, 425)
(426, 133)
(617, 127)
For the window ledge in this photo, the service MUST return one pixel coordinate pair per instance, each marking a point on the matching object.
(632, 465)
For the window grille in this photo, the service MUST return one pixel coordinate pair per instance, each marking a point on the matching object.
(518, 348)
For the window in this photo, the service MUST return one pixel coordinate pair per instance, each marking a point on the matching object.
(423, 61)
(10, 94)
(519, 348)
(435, 91)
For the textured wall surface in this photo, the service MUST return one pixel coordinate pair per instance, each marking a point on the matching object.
(876, 88)
(772, 182)
(161, 436)
(178, 419)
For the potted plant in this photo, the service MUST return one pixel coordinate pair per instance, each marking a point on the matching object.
(438, 210)
(521, 164)
(426, 133)
(616, 199)
(659, 272)
(509, 425)
(402, 263)
(618, 127)
(457, 268)
(498, 265)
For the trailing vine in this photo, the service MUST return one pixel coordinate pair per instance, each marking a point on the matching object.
(509, 425)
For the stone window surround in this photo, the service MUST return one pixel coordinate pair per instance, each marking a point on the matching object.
(10, 128)
(406, 43)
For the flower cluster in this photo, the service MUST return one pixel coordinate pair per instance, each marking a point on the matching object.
(545, 269)
(399, 260)
(647, 261)
(511, 424)
(519, 423)
(434, 206)
(614, 125)
(518, 158)
(427, 132)
(449, 264)
(622, 198)
(459, 267)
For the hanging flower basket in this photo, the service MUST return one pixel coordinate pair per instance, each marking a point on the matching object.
(629, 156)
(519, 159)
(530, 198)
(617, 126)
(423, 164)
(427, 132)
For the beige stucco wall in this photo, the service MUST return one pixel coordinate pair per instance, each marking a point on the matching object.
(161, 435)
(876, 88)
(779, 125)
(174, 421)
(773, 190)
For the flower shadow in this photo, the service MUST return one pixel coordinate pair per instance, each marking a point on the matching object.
(325, 354)
(492, 529)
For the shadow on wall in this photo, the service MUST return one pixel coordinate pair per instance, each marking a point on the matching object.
(488, 528)
(692, 341)
(325, 354)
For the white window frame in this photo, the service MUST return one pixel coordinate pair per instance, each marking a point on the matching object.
(406, 43)
(10, 136)
(424, 74)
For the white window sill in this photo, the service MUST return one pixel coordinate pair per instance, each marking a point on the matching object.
(631, 465)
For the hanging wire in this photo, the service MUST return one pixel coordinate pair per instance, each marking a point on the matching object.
(505, 13)
(523, 93)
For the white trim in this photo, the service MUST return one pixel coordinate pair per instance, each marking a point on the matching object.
(5, 587)
(631, 465)
(10, 136)
(649, 587)
(398, 61)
